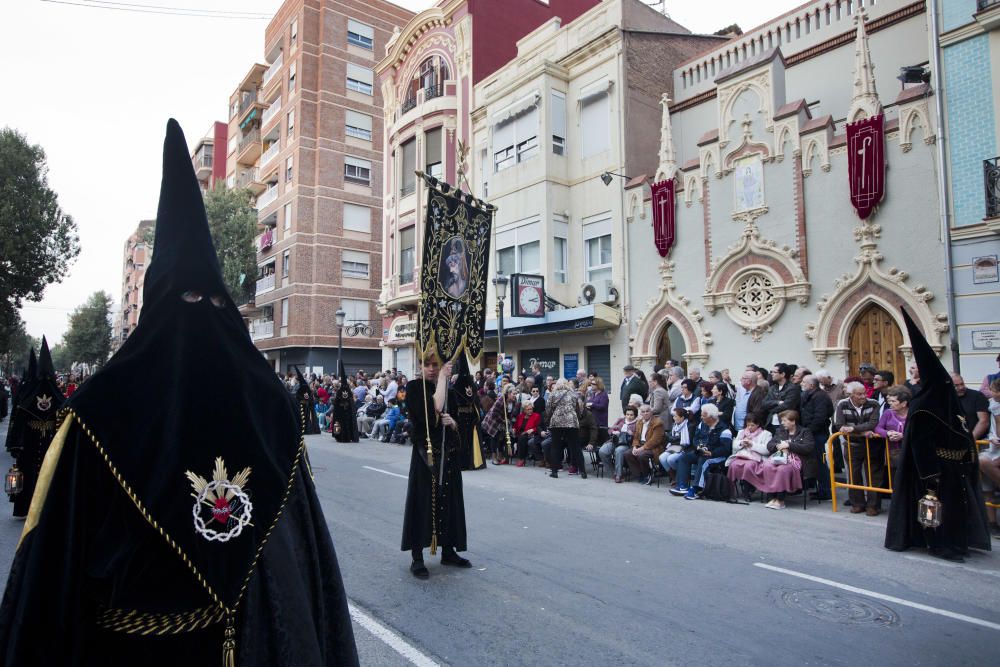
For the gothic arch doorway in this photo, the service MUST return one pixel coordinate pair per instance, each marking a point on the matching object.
(875, 338)
(670, 345)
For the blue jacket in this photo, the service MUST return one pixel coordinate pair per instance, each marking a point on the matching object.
(392, 414)
(718, 438)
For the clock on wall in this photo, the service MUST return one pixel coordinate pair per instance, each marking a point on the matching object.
(529, 296)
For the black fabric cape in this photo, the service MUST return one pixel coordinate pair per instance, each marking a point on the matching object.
(33, 426)
(448, 519)
(938, 454)
(27, 379)
(304, 395)
(464, 407)
(150, 462)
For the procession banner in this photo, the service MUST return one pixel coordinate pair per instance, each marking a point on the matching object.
(453, 272)
(866, 163)
(663, 215)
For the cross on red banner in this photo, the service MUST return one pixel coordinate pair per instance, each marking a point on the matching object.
(866, 163)
(663, 215)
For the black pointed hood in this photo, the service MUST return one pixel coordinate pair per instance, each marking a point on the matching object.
(183, 255)
(186, 342)
(463, 376)
(302, 391)
(46, 370)
(937, 391)
(32, 366)
(42, 398)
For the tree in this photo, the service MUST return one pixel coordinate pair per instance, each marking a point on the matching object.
(731, 29)
(38, 242)
(89, 336)
(14, 346)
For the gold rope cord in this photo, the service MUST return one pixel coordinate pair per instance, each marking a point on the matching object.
(134, 622)
(427, 437)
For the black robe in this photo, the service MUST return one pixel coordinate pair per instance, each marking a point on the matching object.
(345, 422)
(465, 410)
(91, 553)
(448, 519)
(308, 406)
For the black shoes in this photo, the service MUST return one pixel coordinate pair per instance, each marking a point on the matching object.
(455, 560)
(419, 570)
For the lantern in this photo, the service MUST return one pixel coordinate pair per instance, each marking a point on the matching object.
(14, 482)
(336, 428)
(929, 511)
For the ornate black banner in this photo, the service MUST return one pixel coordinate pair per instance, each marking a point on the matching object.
(453, 272)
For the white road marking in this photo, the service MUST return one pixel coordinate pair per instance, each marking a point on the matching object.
(883, 597)
(957, 566)
(390, 638)
(385, 472)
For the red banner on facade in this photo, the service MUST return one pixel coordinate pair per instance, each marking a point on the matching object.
(663, 215)
(866, 163)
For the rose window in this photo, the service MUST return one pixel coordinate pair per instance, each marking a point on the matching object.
(755, 298)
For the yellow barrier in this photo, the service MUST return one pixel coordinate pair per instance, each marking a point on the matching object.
(850, 483)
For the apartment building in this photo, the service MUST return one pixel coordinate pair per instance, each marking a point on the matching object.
(135, 258)
(209, 170)
(308, 143)
(427, 79)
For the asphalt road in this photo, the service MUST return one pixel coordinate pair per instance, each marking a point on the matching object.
(587, 572)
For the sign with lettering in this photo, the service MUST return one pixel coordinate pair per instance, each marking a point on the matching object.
(402, 329)
(866, 163)
(984, 270)
(547, 358)
(986, 339)
(571, 364)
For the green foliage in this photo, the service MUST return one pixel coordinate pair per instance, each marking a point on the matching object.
(60, 358)
(15, 343)
(232, 220)
(89, 336)
(38, 242)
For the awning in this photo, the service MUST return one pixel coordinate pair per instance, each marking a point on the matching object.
(517, 108)
(253, 114)
(594, 89)
(594, 317)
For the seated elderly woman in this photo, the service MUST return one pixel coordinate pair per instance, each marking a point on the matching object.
(678, 439)
(620, 442)
(526, 429)
(712, 443)
(648, 442)
(778, 472)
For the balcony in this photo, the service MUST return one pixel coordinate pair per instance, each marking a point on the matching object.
(265, 284)
(203, 165)
(270, 154)
(991, 181)
(261, 329)
(265, 240)
(250, 179)
(270, 112)
(249, 149)
(268, 197)
(272, 70)
(408, 104)
(250, 103)
(430, 92)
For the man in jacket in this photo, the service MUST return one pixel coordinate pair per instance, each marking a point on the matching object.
(783, 394)
(816, 411)
(857, 416)
(712, 443)
(648, 443)
(632, 384)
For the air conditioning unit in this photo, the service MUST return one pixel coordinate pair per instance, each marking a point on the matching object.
(601, 291)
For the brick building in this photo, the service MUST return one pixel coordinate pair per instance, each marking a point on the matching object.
(136, 257)
(209, 170)
(308, 142)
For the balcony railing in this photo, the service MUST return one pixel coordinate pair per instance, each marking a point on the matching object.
(248, 99)
(202, 161)
(270, 153)
(991, 179)
(262, 329)
(267, 197)
(250, 138)
(273, 69)
(248, 177)
(271, 112)
(408, 103)
(430, 92)
(983, 5)
(265, 284)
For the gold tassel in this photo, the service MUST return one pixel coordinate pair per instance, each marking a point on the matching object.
(477, 450)
(229, 645)
(434, 544)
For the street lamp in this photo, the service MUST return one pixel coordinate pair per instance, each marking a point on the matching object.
(500, 285)
(339, 318)
(606, 177)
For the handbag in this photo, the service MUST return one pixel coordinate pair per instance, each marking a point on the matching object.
(779, 458)
(748, 454)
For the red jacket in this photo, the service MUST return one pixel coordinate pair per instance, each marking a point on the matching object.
(527, 423)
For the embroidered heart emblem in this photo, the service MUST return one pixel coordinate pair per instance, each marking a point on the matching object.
(221, 511)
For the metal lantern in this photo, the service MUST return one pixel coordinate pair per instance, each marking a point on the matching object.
(929, 511)
(14, 482)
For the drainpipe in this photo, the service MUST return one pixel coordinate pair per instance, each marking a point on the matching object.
(942, 177)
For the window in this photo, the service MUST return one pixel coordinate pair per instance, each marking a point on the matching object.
(506, 261)
(599, 258)
(527, 149)
(291, 125)
(484, 163)
(529, 259)
(594, 124)
(503, 158)
(432, 153)
(557, 120)
(234, 143)
(288, 169)
(360, 79)
(293, 34)
(354, 264)
(358, 125)
(357, 218)
(516, 139)
(288, 216)
(357, 170)
(560, 255)
(355, 310)
(291, 79)
(360, 34)
(286, 260)
(407, 254)
(408, 164)
(284, 312)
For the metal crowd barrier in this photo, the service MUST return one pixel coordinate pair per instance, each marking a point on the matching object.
(851, 483)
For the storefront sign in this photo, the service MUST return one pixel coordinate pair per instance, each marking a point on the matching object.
(547, 358)
(984, 270)
(404, 329)
(571, 364)
(986, 339)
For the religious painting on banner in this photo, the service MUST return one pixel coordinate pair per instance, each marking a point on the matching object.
(663, 215)
(452, 315)
(866, 163)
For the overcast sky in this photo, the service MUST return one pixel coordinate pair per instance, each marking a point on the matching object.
(94, 87)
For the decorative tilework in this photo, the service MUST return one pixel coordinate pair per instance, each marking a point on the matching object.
(956, 13)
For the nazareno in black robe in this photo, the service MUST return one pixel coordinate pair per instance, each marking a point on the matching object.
(27, 379)
(307, 402)
(464, 402)
(448, 519)
(939, 454)
(190, 533)
(32, 427)
(345, 419)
